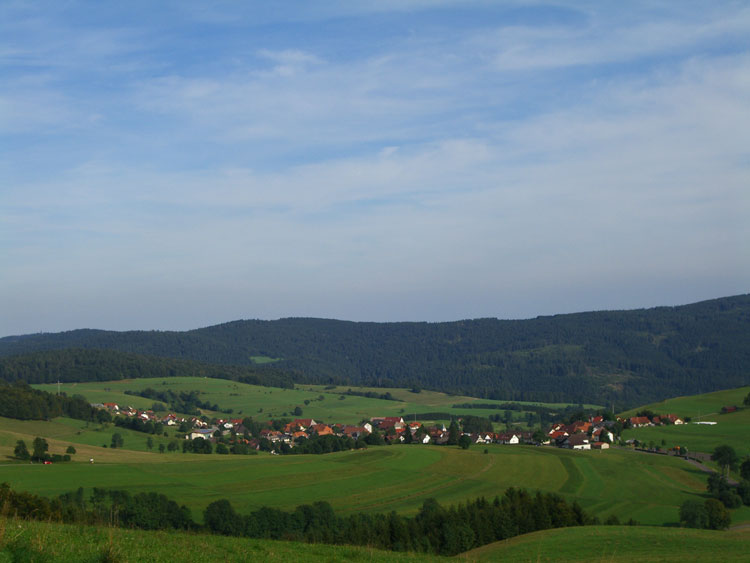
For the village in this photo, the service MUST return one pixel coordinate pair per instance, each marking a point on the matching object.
(595, 433)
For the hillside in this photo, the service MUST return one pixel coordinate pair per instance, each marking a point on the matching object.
(621, 357)
(618, 544)
(22, 540)
(76, 365)
(731, 428)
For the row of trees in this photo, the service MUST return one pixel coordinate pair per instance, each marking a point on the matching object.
(435, 529)
(40, 451)
(20, 401)
(713, 513)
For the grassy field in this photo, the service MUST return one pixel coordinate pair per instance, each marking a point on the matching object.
(648, 488)
(44, 542)
(329, 405)
(619, 543)
(732, 429)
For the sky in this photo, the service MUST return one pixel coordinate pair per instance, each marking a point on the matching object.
(173, 165)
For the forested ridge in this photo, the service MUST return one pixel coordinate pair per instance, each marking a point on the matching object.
(75, 365)
(625, 357)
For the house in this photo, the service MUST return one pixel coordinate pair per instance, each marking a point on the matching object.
(354, 431)
(728, 409)
(507, 438)
(205, 433)
(600, 446)
(321, 429)
(577, 442)
(674, 419)
(638, 421)
(302, 423)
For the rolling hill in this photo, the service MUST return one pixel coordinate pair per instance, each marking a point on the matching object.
(619, 357)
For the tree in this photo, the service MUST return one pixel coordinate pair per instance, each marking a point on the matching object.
(150, 443)
(297, 411)
(464, 442)
(221, 448)
(726, 457)
(453, 433)
(70, 450)
(745, 469)
(693, 514)
(21, 451)
(746, 400)
(117, 440)
(162, 448)
(718, 515)
(40, 449)
(173, 446)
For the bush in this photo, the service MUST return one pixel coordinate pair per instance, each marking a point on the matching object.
(718, 515)
(70, 450)
(693, 514)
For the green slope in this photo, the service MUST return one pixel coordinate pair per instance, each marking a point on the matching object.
(618, 544)
(628, 484)
(44, 542)
(732, 428)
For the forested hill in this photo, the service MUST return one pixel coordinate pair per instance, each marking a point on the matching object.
(628, 357)
(75, 365)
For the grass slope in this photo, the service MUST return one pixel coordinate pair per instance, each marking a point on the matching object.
(648, 488)
(732, 429)
(273, 402)
(618, 543)
(45, 542)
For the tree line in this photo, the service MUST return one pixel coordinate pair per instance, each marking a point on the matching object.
(618, 357)
(80, 365)
(24, 403)
(435, 529)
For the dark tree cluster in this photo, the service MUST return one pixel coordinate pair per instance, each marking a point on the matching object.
(77, 364)
(435, 529)
(22, 402)
(139, 425)
(187, 402)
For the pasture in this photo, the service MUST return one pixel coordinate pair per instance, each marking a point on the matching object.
(648, 488)
(732, 428)
(618, 544)
(40, 541)
(264, 403)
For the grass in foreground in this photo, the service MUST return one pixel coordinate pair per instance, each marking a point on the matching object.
(46, 542)
(619, 543)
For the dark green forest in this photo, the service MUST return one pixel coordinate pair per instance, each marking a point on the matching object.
(620, 357)
(75, 365)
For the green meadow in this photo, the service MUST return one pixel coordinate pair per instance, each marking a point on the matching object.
(618, 544)
(318, 402)
(647, 488)
(731, 428)
(46, 542)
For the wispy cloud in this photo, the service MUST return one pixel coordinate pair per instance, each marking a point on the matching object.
(495, 168)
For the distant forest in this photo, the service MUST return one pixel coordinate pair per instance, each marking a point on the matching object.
(620, 357)
(76, 365)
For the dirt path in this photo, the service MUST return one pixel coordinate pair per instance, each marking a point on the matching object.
(707, 469)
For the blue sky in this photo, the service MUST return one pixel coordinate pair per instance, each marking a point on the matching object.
(173, 165)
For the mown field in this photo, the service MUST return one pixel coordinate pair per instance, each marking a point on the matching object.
(45, 542)
(732, 428)
(263, 403)
(648, 488)
(618, 544)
